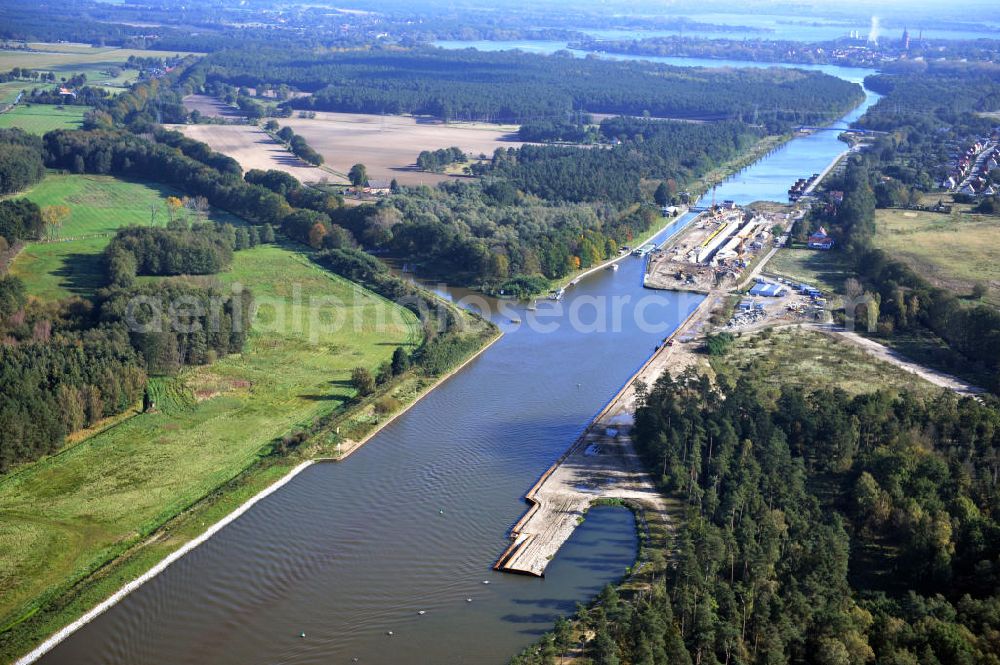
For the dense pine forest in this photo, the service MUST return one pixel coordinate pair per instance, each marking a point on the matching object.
(942, 93)
(513, 87)
(642, 149)
(818, 528)
(20, 160)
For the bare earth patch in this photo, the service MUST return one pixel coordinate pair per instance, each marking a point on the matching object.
(253, 149)
(388, 145)
(210, 107)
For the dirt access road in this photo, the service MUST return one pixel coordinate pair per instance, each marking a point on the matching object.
(883, 352)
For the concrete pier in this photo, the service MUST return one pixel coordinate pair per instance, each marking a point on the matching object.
(601, 464)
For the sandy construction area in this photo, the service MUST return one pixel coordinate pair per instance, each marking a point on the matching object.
(253, 149)
(388, 145)
(602, 465)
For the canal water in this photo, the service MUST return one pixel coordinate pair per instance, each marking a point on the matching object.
(413, 521)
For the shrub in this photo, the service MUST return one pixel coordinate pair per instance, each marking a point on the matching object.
(386, 405)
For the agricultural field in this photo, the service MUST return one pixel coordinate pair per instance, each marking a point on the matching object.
(210, 107)
(10, 90)
(56, 270)
(66, 60)
(387, 145)
(63, 516)
(99, 205)
(952, 251)
(41, 118)
(253, 148)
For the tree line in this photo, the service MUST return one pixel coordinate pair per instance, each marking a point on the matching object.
(446, 341)
(296, 143)
(20, 219)
(122, 152)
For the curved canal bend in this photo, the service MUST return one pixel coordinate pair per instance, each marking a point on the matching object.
(349, 551)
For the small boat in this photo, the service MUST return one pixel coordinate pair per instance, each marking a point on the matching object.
(612, 267)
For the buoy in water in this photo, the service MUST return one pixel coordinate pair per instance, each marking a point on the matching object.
(422, 612)
(389, 633)
(486, 581)
(302, 634)
(441, 512)
(468, 600)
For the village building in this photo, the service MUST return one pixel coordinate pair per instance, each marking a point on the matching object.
(820, 240)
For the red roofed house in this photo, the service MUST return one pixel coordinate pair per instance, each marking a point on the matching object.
(820, 240)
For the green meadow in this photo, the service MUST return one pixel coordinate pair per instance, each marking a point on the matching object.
(41, 118)
(66, 515)
(11, 89)
(70, 264)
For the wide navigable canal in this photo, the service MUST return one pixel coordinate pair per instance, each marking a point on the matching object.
(412, 522)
